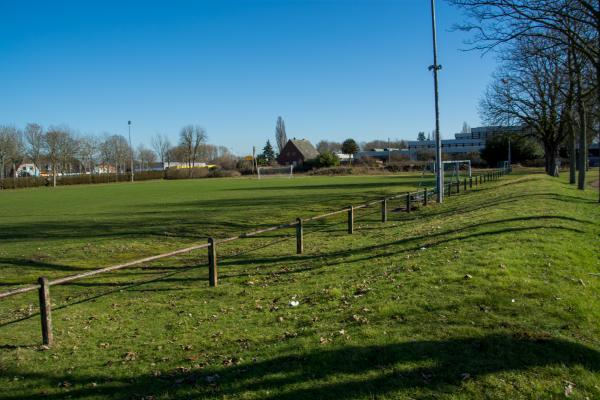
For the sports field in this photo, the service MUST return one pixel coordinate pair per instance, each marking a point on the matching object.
(495, 294)
(60, 231)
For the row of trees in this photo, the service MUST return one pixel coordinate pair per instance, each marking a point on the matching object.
(59, 150)
(549, 74)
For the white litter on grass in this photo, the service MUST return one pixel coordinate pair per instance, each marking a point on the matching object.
(423, 248)
(294, 303)
(513, 300)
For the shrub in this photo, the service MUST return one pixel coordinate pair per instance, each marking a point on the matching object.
(522, 149)
(327, 159)
(223, 173)
(186, 173)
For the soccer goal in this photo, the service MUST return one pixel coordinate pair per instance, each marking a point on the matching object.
(449, 166)
(286, 171)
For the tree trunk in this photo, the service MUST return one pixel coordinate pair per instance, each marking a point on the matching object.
(597, 64)
(53, 174)
(14, 173)
(582, 155)
(550, 155)
(572, 156)
(582, 164)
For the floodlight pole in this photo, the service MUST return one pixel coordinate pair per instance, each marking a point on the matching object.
(130, 149)
(439, 179)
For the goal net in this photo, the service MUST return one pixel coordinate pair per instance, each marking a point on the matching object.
(286, 171)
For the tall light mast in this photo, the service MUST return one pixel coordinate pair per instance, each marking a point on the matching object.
(439, 178)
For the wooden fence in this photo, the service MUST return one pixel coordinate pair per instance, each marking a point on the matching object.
(422, 196)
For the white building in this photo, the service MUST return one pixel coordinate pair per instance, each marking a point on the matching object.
(28, 169)
(463, 143)
(381, 154)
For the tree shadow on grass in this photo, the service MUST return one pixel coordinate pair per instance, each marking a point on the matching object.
(426, 367)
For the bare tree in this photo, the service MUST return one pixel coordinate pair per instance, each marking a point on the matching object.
(89, 148)
(11, 149)
(161, 145)
(571, 24)
(145, 156)
(190, 138)
(529, 88)
(280, 135)
(325, 146)
(55, 144)
(116, 152)
(465, 128)
(34, 135)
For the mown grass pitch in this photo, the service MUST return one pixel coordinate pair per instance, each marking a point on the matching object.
(494, 294)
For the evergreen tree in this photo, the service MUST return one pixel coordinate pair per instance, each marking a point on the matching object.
(421, 136)
(268, 153)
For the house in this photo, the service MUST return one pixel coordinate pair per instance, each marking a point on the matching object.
(297, 152)
(104, 168)
(28, 169)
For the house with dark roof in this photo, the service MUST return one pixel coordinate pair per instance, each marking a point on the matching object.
(297, 152)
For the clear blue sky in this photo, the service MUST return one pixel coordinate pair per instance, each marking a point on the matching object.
(332, 69)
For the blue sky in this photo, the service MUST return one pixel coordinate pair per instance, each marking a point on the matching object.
(332, 69)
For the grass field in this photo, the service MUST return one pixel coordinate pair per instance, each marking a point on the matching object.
(494, 294)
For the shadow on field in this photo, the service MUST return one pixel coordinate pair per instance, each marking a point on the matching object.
(359, 185)
(428, 367)
(415, 243)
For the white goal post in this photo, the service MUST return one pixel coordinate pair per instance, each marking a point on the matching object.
(286, 171)
(456, 164)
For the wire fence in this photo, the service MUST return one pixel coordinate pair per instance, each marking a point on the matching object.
(409, 201)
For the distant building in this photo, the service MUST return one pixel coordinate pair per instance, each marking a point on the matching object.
(297, 152)
(381, 154)
(343, 157)
(104, 168)
(184, 165)
(463, 143)
(28, 169)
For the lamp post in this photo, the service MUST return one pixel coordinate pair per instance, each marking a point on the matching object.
(439, 179)
(130, 150)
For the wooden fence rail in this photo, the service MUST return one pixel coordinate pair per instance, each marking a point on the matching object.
(43, 285)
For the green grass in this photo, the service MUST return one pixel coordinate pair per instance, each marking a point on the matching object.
(494, 294)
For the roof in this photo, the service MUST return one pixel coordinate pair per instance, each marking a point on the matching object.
(305, 148)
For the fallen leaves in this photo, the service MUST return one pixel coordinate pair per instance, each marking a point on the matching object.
(569, 388)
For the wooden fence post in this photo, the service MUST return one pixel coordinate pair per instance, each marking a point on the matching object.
(458, 186)
(384, 210)
(470, 182)
(408, 202)
(299, 239)
(212, 263)
(45, 311)
(425, 197)
(351, 220)
(464, 184)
